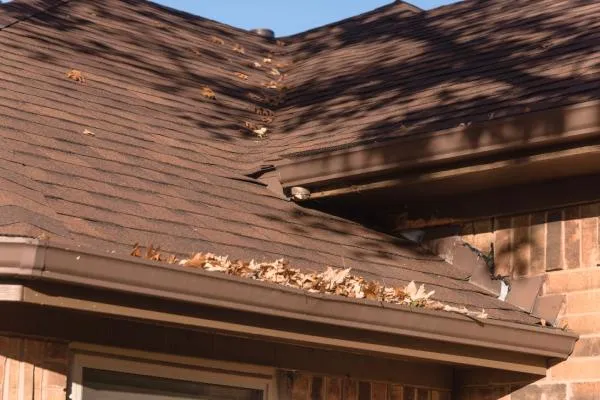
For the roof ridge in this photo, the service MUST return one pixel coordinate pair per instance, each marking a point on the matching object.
(22, 10)
(374, 11)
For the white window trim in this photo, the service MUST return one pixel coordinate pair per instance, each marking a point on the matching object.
(167, 366)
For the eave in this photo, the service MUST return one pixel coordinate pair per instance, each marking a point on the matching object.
(529, 147)
(246, 308)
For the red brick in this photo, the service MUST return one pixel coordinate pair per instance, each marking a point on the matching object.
(301, 387)
(521, 246)
(435, 395)
(503, 247)
(479, 234)
(379, 391)
(572, 237)
(12, 378)
(587, 347)
(423, 394)
(35, 370)
(350, 389)
(54, 380)
(364, 391)
(554, 242)
(538, 243)
(316, 389)
(488, 393)
(396, 392)
(589, 235)
(37, 382)
(333, 388)
(576, 368)
(564, 282)
(583, 324)
(27, 381)
(537, 392)
(585, 391)
(410, 393)
(583, 302)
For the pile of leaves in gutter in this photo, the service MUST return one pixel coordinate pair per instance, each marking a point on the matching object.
(332, 281)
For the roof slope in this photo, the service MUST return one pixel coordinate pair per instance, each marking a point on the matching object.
(393, 72)
(165, 164)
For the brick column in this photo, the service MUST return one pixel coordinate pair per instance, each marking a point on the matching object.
(32, 369)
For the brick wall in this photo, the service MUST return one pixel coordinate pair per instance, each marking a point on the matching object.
(32, 369)
(311, 387)
(562, 245)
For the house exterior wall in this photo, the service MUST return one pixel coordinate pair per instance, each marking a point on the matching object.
(563, 246)
(315, 387)
(32, 369)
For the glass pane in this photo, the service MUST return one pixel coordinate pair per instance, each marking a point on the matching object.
(110, 385)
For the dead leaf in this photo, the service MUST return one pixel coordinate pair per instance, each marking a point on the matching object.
(275, 72)
(76, 76)
(331, 281)
(267, 60)
(217, 40)
(208, 93)
(261, 132)
(263, 111)
(137, 251)
(255, 64)
(250, 125)
(241, 75)
(271, 85)
(43, 236)
(88, 132)
(239, 49)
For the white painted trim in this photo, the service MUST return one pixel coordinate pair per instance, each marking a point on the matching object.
(167, 366)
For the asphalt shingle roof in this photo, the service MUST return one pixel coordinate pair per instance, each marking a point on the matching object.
(398, 72)
(167, 166)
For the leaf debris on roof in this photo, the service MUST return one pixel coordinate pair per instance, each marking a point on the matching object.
(217, 40)
(208, 93)
(332, 281)
(239, 49)
(76, 76)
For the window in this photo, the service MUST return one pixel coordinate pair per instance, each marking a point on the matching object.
(158, 377)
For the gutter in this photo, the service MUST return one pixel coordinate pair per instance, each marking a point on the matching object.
(332, 169)
(489, 343)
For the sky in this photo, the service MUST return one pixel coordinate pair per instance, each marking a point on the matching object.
(285, 17)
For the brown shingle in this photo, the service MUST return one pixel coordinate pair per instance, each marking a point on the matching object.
(391, 74)
(166, 165)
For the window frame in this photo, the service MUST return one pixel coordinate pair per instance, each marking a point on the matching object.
(166, 366)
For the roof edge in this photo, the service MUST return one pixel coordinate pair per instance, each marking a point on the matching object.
(39, 260)
(369, 163)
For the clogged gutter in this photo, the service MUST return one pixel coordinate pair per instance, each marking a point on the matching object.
(332, 281)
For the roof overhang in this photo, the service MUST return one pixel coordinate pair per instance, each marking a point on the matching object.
(241, 307)
(530, 147)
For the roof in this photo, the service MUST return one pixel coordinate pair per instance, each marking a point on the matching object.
(250, 309)
(396, 73)
(140, 153)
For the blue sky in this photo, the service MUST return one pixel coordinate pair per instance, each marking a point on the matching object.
(285, 17)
